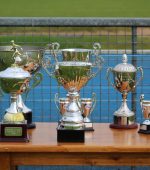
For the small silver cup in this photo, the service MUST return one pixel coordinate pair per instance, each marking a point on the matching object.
(87, 106)
(145, 106)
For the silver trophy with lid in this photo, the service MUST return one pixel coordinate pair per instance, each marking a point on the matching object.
(124, 81)
(145, 106)
(31, 61)
(72, 68)
(12, 80)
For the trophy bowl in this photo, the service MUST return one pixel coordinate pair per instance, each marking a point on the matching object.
(72, 68)
(13, 126)
(124, 76)
(31, 61)
(145, 106)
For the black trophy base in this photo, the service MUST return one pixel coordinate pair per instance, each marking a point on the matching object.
(116, 126)
(88, 126)
(69, 135)
(11, 132)
(145, 129)
(28, 117)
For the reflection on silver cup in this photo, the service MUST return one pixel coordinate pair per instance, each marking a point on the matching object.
(63, 103)
(86, 105)
(145, 106)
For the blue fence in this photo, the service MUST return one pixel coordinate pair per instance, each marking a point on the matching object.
(117, 36)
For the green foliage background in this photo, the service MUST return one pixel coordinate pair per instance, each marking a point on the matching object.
(75, 8)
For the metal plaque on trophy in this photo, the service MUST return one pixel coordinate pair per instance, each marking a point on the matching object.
(145, 106)
(13, 126)
(73, 70)
(124, 76)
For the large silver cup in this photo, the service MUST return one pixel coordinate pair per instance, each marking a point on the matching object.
(73, 68)
(124, 76)
(145, 106)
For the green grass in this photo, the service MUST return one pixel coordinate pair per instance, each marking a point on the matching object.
(121, 42)
(75, 8)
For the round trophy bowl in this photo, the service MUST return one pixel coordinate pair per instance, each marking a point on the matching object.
(124, 76)
(76, 54)
(72, 75)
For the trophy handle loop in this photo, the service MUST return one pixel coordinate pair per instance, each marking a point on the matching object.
(98, 61)
(56, 100)
(108, 76)
(37, 78)
(141, 100)
(54, 48)
(142, 75)
(93, 102)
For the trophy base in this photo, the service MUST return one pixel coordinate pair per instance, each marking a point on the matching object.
(31, 126)
(115, 126)
(11, 132)
(145, 129)
(28, 117)
(88, 126)
(69, 135)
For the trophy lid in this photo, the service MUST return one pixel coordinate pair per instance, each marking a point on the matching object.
(14, 72)
(124, 66)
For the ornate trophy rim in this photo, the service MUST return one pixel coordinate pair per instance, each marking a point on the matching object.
(76, 50)
(74, 63)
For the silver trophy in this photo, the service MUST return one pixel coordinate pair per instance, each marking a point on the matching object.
(124, 76)
(145, 106)
(13, 80)
(73, 68)
(30, 60)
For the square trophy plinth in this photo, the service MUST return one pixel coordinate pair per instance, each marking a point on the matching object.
(70, 135)
(88, 126)
(144, 129)
(13, 132)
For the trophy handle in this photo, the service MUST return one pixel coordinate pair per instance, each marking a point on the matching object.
(108, 76)
(37, 78)
(93, 102)
(54, 48)
(56, 100)
(142, 75)
(99, 60)
(46, 63)
(141, 100)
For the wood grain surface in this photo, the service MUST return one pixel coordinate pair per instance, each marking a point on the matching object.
(103, 139)
(104, 146)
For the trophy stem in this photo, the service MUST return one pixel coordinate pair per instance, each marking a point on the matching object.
(124, 118)
(72, 118)
(13, 106)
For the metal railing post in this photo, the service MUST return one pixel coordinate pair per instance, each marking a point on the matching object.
(134, 62)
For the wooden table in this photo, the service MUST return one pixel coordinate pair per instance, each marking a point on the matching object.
(104, 146)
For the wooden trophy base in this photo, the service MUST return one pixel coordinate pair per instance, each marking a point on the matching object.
(88, 126)
(11, 132)
(116, 126)
(70, 135)
(145, 129)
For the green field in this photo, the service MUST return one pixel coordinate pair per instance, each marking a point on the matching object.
(75, 8)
